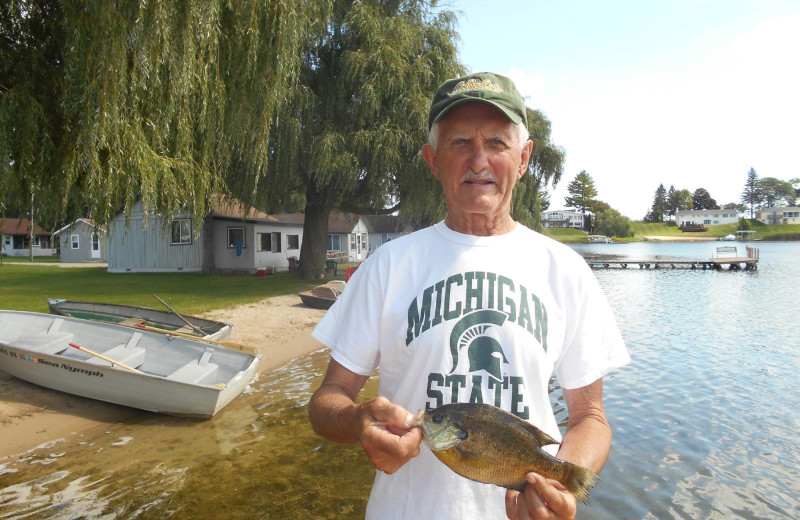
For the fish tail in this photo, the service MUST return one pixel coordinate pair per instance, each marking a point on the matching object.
(578, 480)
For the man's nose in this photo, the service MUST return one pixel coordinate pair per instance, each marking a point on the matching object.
(478, 158)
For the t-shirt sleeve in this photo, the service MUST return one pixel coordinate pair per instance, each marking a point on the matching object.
(593, 344)
(350, 328)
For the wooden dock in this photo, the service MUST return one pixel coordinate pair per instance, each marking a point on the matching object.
(725, 258)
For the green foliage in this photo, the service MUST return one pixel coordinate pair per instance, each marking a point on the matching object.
(582, 192)
(613, 224)
(750, 195)
(773, 192)
(545, 168)
(157, 101)
(659, 207)
(701, 199)
(350, 136)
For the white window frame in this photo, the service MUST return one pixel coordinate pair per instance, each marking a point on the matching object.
(75, 241)
(184, 236)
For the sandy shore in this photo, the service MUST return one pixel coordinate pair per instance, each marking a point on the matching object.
(30, 415)
(656, 238)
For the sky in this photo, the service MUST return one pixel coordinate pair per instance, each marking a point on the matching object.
(684, 93)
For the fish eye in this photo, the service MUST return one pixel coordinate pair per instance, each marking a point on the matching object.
(437, 418)
(462, 435)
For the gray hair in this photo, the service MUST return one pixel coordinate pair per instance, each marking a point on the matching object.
(433, 134)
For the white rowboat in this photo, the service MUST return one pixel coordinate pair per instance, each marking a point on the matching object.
(150, 371)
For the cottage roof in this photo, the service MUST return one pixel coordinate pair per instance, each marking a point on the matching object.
(228, 207)
(20, 226)
(337, 222)
(87, 221)
(342, 222)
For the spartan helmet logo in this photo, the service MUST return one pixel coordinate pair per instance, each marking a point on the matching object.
(483, 351)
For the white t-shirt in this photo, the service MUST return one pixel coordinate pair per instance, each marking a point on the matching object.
(450, 317)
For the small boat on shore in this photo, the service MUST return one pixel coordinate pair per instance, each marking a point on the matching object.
(323, 296)
(131, 316)
(137, 368)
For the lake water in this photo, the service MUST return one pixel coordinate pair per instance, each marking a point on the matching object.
(705, 420)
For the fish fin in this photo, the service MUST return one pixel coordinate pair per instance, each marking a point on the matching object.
(578, 480)
(542, 438)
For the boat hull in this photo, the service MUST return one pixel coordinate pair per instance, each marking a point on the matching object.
(129, 315)
(149, 388)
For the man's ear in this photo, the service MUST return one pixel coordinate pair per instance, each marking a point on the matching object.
(429, 154)
(525, 158)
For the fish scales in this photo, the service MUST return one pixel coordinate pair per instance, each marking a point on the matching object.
(488, 445)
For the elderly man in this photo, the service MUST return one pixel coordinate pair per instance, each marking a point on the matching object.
(476, 308)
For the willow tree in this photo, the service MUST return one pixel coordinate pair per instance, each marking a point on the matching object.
(358, 115)
(163, 102)
(545, 168)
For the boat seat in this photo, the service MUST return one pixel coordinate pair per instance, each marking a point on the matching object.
(51, 342)
(196, 371)
(126, 353)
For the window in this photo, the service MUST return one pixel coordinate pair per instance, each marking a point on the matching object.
(333, 243)
(292, 241)
(75, 242)
(269, 242)
(236, 238)
(181, 231)
(95, 242)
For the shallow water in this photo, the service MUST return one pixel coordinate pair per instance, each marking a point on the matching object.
(705, 420)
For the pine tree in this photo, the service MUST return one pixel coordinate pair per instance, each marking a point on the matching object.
(750, 195)
(582, 191)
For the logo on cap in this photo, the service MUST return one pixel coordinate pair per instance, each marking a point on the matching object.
(474, 84)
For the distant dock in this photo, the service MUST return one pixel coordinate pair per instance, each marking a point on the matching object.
(725, 258)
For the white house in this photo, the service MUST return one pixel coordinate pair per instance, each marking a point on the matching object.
(563, 218)
(784, 215)
(82, 241)
(708, 217)
(15, 238)
(347, 235)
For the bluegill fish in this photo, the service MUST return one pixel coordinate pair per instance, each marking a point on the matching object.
(486, 444)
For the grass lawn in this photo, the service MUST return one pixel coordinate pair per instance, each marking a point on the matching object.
(26, 287)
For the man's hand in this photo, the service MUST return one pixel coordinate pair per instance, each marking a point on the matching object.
(384, 429)
(542, 499)
(385, 432)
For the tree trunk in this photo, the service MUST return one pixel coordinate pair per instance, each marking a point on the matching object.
(209, 267)
(315, 232)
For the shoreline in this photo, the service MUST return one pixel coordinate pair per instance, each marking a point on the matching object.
(31, 416)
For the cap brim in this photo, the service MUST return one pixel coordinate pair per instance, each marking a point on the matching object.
(513, 116)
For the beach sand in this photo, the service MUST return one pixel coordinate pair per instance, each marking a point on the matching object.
(30, 415)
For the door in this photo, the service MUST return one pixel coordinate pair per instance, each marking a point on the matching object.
(96, 254)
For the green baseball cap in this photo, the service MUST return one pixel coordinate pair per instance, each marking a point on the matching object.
(486, 87)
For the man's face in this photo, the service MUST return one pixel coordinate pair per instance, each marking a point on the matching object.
(478, 160)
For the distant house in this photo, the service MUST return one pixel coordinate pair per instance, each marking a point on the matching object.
(784, 215)
(82, 241)
(347, 235)
(15, 237)
(383, 228)
(708, 217)
(232, 238)
(563, 218)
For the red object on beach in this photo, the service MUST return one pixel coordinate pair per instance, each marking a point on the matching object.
(348, 272)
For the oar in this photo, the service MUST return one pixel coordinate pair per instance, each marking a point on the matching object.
(230, 345)
(173, 311)
(101, 356)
